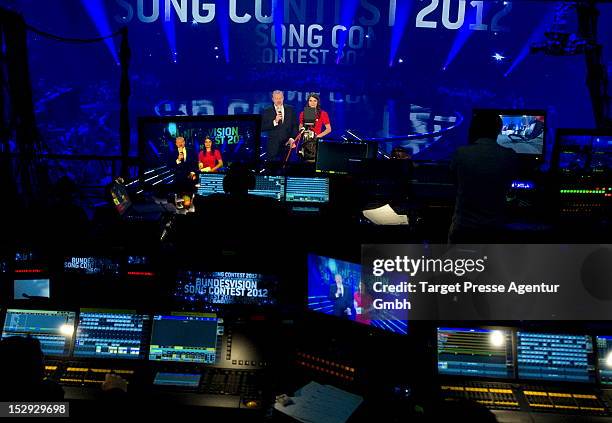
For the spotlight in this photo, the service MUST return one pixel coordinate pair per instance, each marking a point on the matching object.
(497, 338)
(194, 22)
(216, 48)
(400, 61)
(498, 57)
(609, 360)
(66, 330)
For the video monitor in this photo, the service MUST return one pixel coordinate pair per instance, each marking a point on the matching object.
(555, 357)
(269, 186)
(210, 183)
(585, 153)
(475, 352)
(184, 337)
(524, 131)
(92, 266)
(336, 157)
(111, 334)
(604, 359)
(181, 380)
(307, 190)
(139, 266)
(335, 288)
(237, 137)
(195, 290)
(54, 329)
(26, 289)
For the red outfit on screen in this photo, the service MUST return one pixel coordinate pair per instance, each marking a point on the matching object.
(322, 119)
(209, 159)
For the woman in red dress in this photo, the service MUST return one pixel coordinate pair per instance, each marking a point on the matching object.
(209, 159)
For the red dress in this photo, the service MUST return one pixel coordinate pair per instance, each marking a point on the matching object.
(364, 301)
(209, 159)
(322, 119)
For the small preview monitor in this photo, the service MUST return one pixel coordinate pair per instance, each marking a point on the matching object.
(585, 153)
(307, 190)
(335, 288)
(54, 329)
(269, 186)
(210, 183)
(181, 380)
(111, 334)
(26, 289)
(336, 157)
(475, 352)
(555, 357)
(524, 131)
(235, 137)
(185, 338)
(604, 359)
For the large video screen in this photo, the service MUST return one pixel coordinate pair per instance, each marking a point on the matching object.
(236, 137)
(195, 290)
(335, 287)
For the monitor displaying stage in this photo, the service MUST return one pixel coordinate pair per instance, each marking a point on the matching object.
(524, 131)
(54, 329)
(236, 137)
(584, 153)
(475, 352)
(555, 357)
(335, 288)
(111, 334)
(185, 338)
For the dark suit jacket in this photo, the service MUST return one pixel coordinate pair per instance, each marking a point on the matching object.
(343, 302)
(278, 135)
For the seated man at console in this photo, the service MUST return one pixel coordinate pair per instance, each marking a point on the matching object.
(483, 173)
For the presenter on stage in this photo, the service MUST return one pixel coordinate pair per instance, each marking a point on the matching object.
(280, 122)
(321, 117)
(209, 159)
(342, 297)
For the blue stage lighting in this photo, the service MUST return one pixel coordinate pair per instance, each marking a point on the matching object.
(498, 57)
(96, 11)
(170, 32)
(400, 19)
(536, 35)
(349, 8)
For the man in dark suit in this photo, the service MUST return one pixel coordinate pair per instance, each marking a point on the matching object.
(182, 162)
(280, 122)
(342, 296)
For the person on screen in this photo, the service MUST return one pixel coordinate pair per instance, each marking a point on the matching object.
(483, 172)
(341, 295)
(363, 302)
(209, 159)
(321, 117)
(279, 121)
(181, 161)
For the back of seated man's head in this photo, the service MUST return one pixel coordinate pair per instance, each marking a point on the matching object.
(485, 124)
(238, 180)
(21, 361)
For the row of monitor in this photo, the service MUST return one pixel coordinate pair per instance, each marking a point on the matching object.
(117, 334)
(508, 354)
(281, 188)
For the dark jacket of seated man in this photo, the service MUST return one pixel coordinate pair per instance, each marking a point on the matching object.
(483, 172)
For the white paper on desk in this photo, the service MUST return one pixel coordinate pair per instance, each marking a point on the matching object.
(385, 215)
(315, 403)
